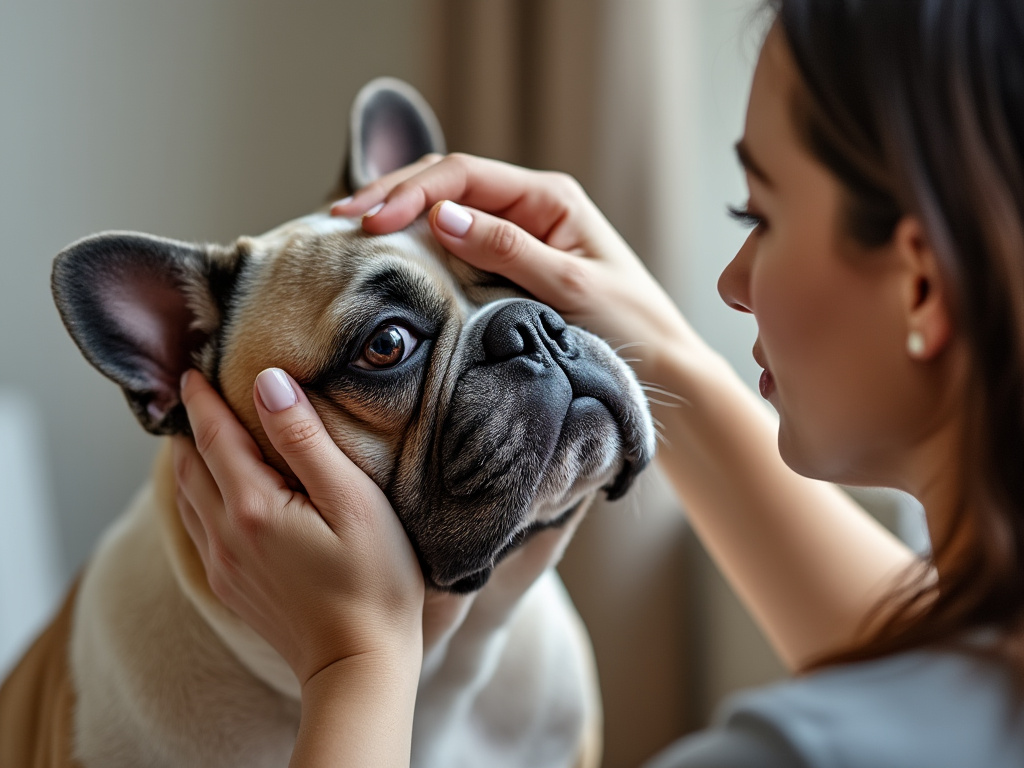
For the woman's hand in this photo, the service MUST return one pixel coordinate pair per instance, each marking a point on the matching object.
(325, 576)
(540, 230)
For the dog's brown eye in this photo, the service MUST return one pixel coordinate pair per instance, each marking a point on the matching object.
(387, 347)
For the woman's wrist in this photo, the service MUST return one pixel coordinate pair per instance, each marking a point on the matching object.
(359, 710)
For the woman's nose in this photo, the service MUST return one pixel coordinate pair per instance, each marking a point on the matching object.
(734, 282)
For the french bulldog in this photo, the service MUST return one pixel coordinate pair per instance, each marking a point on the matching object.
(489, 422)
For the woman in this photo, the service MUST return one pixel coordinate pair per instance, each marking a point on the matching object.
(884, 155)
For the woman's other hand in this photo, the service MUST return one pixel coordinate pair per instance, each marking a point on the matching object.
(326, 575)
(540, 230)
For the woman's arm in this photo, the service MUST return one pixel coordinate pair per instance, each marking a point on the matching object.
(808, 562)
(328, 576)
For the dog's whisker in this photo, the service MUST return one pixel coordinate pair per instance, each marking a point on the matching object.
(680, 401)
(627, 345)
(663, 403)
(647, 387)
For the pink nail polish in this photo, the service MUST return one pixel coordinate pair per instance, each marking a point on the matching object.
(454, 219)
(275, 390)
(340, 204)
(373, 211)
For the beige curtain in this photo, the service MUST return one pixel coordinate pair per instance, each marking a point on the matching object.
(516, 79)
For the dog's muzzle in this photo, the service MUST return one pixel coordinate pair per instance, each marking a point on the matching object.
(540, 415)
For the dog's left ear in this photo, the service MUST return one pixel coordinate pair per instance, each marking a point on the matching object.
(390, 126)
(144, 309)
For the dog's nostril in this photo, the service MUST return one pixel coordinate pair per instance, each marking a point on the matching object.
(524, 328)
(503, 341)
(552, 322)
(555, 328)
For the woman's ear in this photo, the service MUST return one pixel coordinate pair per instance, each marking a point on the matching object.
(926, 298)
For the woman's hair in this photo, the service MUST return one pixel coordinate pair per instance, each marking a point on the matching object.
(917, 107)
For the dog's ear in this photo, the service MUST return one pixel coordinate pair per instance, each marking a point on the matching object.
(390, 125)
(143, 309)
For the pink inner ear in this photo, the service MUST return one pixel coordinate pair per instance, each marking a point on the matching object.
(154, 317)
(387, 149)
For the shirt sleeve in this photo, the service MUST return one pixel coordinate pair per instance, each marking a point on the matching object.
(742, 742)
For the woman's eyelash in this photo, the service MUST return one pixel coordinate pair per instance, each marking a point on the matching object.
(745, 217)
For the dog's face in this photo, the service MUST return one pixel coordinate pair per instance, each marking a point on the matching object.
(481, 414)
(478, 411)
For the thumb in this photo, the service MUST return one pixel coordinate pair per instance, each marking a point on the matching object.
(297, 433)
(497, 245)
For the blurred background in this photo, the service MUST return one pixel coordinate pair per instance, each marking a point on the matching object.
(204, 121)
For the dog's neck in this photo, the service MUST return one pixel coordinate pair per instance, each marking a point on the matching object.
(258, 656)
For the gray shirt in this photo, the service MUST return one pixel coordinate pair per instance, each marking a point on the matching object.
(920, 709)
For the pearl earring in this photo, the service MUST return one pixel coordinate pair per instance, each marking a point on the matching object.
(915, 343)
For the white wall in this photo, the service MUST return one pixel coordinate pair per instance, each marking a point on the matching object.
(192, 119)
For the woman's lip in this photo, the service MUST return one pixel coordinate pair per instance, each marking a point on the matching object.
(766, 384)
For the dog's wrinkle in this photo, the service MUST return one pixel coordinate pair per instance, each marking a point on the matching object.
(400, 286)
(490, 406)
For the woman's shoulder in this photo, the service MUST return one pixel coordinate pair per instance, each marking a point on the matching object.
(924, 707)
(927, 707)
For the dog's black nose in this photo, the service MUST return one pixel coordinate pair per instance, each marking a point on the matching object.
(524, 328)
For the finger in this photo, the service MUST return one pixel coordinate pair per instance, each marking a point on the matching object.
(194, 527)
(296, 431)
(196, 483)
(536, 201)
(365, 198)
(228, 451)
(494, 244)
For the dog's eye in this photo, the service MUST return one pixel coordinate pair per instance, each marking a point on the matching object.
(389, 346)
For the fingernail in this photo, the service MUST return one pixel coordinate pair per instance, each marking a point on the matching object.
(275, 390)
(453, 218)
(373, 211)
(340, 204)
(184, 380)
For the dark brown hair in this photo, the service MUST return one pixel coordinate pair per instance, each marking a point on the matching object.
(917, 107)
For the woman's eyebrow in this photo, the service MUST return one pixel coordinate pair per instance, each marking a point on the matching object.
(748, 162)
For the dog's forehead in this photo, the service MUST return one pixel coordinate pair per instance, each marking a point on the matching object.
(342, 249)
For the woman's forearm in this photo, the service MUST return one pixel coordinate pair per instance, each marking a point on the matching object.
(358, 712)
(807, 561)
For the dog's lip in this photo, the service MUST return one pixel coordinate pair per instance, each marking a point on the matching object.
(470, 583)
(474, 580)
(622, 482)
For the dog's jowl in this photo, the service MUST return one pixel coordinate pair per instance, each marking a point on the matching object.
(488, 421)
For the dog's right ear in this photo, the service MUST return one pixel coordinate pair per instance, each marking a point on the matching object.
(144, 309)
(390, 126)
